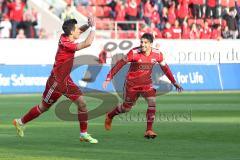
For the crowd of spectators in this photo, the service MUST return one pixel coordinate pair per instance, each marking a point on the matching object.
(169, 19)
(17, 20)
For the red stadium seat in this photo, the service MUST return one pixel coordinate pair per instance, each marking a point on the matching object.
(106, 11)
(122, 35)
(224, 3)
(101, 2)
(231, 3)
(210, 21)
(91, 9)
(99, 12)
(82, 10)
(216, 21)
(191, 21)
(131, 34)
(99, 24)
(93, 2)
(223, 23)
(200, 22)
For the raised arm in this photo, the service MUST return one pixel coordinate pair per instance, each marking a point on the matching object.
(91, 35)
(116, 68)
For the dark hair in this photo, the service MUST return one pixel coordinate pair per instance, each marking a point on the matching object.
(68, 26)
(148, 36)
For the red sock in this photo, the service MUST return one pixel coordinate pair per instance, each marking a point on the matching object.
(32, 114)
(115, 111)
(83, 120)
(150, 116)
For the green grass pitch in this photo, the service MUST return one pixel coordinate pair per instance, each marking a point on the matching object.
(190, 126)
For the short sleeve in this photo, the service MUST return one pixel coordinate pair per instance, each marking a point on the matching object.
(70, 45)
(160, 57)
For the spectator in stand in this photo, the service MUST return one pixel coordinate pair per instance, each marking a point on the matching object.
(67, 13)
(120, 13)
(231, 19)
(182, 10)
(224, 4)
(21, 34)
(185, 30)
(205, 32)
(194, 33)
(163, 18)
(131, 10)
(211, 9)
(195, 6)
(202, 4)
(144, 28)
(131, 13)
(6, 27)
(3, 7)
(159, 5)
(167, 3)
(216, 32)
(16, 10)
(226, 33)
(156, 19)
(155, 31)
(29, 23)
(167, 32)
(176, 30)
(237, 7)
(148, 11)
(172, 13)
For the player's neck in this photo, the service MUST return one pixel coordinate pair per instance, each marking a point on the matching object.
(147, 53)
(71, 38)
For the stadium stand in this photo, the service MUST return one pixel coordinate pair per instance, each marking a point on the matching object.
(129, 18)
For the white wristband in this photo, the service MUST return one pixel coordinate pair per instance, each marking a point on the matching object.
(93, 28)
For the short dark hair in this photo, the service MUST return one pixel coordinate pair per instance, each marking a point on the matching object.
(68, 26)
(148, 36)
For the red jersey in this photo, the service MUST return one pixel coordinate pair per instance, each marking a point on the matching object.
(64, 58)
(211, 3)
(16, 11)
(176, 32)
(140, 71)
(205, 33)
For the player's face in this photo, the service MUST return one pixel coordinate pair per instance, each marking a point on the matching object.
(145, 45)
(76, 32)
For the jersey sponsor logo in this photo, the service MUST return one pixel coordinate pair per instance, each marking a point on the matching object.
(145, 66)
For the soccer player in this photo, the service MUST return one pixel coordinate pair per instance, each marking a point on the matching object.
(138, 81)
(60, 83)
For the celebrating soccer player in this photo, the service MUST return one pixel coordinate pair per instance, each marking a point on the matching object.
(59, 82)
(138, 81)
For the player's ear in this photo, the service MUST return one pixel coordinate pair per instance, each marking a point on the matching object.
(72, 32)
